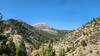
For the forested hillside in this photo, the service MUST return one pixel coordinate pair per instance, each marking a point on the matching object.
(27, 36)
(18, 38)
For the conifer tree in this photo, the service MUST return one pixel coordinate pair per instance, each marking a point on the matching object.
(7, 48)
(49, 51)
(11, 48)
(21, 50)
(1, 16)
(62, 52)
(42, 51)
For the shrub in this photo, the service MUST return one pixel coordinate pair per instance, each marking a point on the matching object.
(83, 43)
(91, 51)
(62, 52)
(81, 54)
(98, 52)
(71, 49)
(68, 49)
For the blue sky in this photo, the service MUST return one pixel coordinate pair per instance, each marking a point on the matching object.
(60, 14)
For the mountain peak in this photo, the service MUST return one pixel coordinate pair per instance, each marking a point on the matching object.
(41, 25)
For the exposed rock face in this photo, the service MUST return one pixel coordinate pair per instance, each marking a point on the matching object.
(41, 26)
(45, 27)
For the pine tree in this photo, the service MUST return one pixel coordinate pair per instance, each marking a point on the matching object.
(62, 52)
(42, 51)
(1, 16)
(21, 50)
(7, 47)
(11, 48)
(49, 51)
(3, 47)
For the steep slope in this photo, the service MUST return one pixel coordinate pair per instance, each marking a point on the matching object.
(7, 47)
(44, 27)
(30, 35)
(84, 41)
(25, 39)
